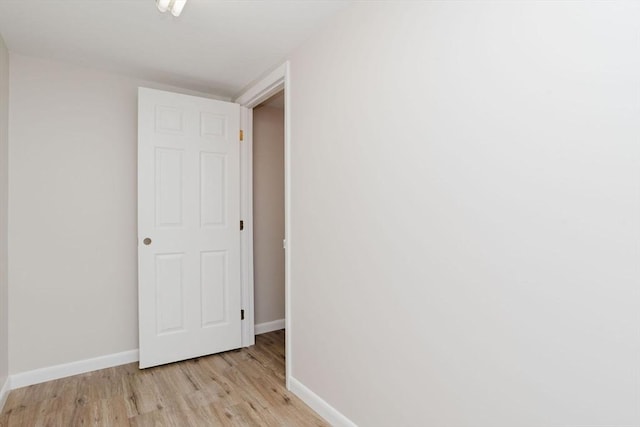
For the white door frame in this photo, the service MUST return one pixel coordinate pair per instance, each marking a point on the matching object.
(273, 83)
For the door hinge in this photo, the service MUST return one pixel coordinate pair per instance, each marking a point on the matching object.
(241, 225)
(241, 314)
(241, 135)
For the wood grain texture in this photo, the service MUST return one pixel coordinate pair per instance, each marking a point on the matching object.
(238, 388)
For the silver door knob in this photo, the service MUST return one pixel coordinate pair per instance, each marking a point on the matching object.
(147, 241)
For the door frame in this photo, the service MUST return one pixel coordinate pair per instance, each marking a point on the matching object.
(266, 87)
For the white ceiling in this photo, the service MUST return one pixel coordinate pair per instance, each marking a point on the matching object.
(215, 46)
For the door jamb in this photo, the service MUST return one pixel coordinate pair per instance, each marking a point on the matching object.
(268, 86)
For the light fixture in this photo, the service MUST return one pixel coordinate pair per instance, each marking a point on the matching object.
(175, 6)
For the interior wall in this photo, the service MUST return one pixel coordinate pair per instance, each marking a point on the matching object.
(4, 207)
(466, 213)
(268, 213)
(73, 197)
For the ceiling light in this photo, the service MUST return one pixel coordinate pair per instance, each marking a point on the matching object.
(175, 6)
(163, 5)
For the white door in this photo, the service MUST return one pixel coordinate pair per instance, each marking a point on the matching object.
(188, 226)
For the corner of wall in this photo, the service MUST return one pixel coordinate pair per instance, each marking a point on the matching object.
(4, 207)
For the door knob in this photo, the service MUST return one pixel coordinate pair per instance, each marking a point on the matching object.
(147, 241)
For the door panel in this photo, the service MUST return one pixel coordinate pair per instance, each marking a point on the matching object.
(170, 298)
(189, 209)
(213, 208)
(214, 287)
(168, 187)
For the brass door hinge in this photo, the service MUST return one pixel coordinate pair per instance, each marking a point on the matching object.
(241, 135)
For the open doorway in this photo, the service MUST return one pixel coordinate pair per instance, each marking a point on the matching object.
(269, 215)
(272, 84)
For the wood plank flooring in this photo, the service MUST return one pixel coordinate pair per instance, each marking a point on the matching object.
(243, 387)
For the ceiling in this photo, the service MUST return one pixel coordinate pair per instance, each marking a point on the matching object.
(215, 46)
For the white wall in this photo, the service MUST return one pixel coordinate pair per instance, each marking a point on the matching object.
(4, 206)
(466, 213)
(73, 264)
(268, 213)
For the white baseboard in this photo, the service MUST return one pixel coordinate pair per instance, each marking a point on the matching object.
(326, 411)
(263, 328)
(4, 392)
(37, 376)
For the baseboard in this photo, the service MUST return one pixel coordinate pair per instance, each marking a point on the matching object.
(263, 328)
(4, 392)
(37, 376)
(315, 402)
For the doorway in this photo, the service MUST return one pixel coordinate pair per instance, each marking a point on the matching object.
(268, 215)
(273, 83)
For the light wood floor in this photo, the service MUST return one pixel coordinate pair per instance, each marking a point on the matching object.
(237, 388)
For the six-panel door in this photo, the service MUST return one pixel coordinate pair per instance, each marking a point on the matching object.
(189, 212)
